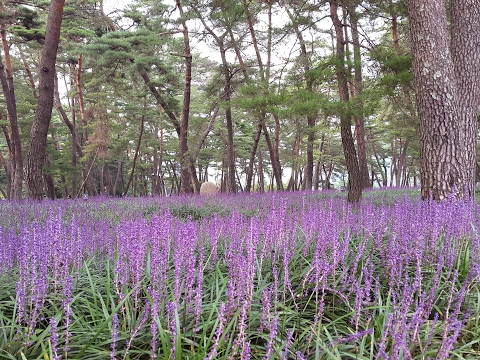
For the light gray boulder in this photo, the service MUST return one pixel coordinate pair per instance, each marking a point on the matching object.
(209, 189)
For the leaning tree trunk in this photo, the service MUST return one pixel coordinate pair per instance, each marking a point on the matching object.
(231, 186)
(348, 144)
(447, 86)
(16, 163)
(43, 114)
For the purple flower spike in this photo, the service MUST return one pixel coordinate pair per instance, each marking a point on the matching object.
(113, 346)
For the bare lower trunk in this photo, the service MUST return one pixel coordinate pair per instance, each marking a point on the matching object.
(447, 87)
(358, 93)
(251, 161)
(43, 114)
(118, 176)
(348, 144)
(16, 163)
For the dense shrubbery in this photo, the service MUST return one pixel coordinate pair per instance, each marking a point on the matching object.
(275, 276)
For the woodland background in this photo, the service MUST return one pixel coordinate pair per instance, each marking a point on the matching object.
(155, 97)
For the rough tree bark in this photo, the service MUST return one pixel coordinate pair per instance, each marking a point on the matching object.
(358, 86)
(185, 169)
(447, 86)
(311, 118)
(264, 76)
(231, 186)
(43, 114)
(15, 158)
(348, 144)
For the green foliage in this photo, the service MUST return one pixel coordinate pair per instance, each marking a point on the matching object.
(356, 311)
(28, 34)
(185, 211)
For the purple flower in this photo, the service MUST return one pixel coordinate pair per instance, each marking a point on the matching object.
(288, 344)
(171, 308)
(218, 332)
(271, 338)
(54, 338)
(300, 356)
(134, 332)
(113, 345)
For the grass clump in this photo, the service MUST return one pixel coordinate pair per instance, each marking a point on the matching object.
(284, 276)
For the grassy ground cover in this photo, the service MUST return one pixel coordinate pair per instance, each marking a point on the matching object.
(274, 276)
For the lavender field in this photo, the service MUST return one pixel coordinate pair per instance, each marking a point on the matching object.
(273, 276)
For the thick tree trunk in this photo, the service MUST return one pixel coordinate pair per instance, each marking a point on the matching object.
(43, 114)
(447, 86)
(465, 49)
(348, 144)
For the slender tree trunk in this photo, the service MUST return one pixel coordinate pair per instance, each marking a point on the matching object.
(393, 166)
(311, 118)
(43, 114)
(27, 69)
(6, 167)
(402, 162)
(318, 165)
(186, 171)
(231, 186)
(264, 76)
(118, 176)
(81, 102)
(16, 159)
(75, 146)
(4, 194)
(348, 144)
(251, 162)
(73, 131)
(205, 133)
(359, 118)
(49, 181)
(231, 183)
(108, 179)
(137, 149)
(261, 177)
(160, 162)
(101, 178)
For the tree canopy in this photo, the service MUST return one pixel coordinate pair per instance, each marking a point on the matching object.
(158, 96)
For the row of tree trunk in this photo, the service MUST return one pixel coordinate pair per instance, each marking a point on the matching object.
(446, 63)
